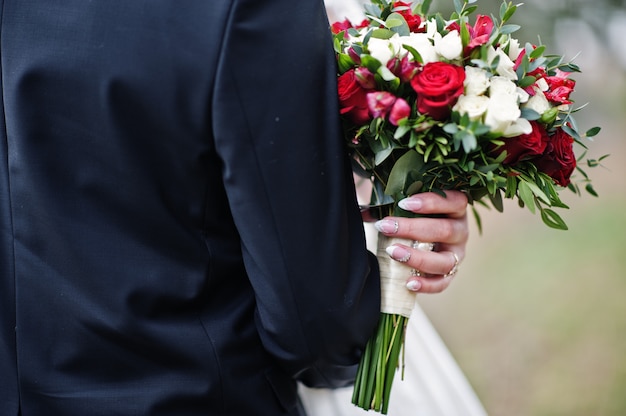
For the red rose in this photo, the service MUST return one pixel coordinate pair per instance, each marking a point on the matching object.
(352, 98)
(558, 160)
(346, 24)
(413, 20)
(339, 27)
(525, 146)
(438, 86)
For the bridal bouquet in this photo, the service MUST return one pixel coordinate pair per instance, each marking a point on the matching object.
(430, 104)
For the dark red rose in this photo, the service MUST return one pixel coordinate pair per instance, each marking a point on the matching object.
(352, 98)
(525, 146)
(558, 160)
(438, 86)
(413, 20)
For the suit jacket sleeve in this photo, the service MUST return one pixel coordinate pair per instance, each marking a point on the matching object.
(286, 173)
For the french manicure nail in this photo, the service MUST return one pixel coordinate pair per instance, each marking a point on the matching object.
(413, 285)
(410, 204)
(398, 253)
(387, 226)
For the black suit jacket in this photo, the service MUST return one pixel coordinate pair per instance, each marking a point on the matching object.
(178, 229)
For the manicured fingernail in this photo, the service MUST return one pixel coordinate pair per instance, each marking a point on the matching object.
(387, 226)
(412, 204)
(413, 285)
(398, 253)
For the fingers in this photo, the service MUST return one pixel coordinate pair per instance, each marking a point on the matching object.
(433, 271)
(441, 230)
(430, 271)
(453, 205)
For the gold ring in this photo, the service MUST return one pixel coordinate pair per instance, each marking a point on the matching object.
(455, 268)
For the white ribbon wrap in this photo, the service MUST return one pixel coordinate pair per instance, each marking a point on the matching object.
(395, 297)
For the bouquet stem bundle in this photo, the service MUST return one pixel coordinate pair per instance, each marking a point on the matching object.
(379, 363)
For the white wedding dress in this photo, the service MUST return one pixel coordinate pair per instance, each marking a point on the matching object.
(433, 384)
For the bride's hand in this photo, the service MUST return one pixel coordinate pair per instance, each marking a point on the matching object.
(449, 231)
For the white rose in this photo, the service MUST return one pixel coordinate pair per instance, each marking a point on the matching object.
(449, 46)
(502, 111)
(382, 49)
(472, 105)
(542, 84)
(423, 45)
(502, 85)
(505, 64)
(518, 127)
(476, 80)
(538, 102)
(431, 28)
(514, 49)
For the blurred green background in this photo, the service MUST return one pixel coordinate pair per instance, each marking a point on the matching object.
(536, 317)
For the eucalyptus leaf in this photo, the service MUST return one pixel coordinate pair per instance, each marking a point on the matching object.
(410, 162)
(414, 188)
(383, 155)
(382, 33)
(508, 29)
(508, 12)
(530, 114)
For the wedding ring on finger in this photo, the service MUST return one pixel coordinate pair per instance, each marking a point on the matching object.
(418, 245)
(455, 268)
(415, 273)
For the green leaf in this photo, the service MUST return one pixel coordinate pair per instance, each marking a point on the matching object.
(416, 55)
(414, 188)
(401, 131)
(425, 6)
(458, 6)
(496, 200)
(590, 189)
(537, 52)
(528, 80)
(382, 33)
(469, 141)
(552, 219)
(592, 132)
(508, 13)
(410, 162)
(508, 29)
(397, 23)
(382, 155)
(479, 223)
(538, 192)
(526, 195)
